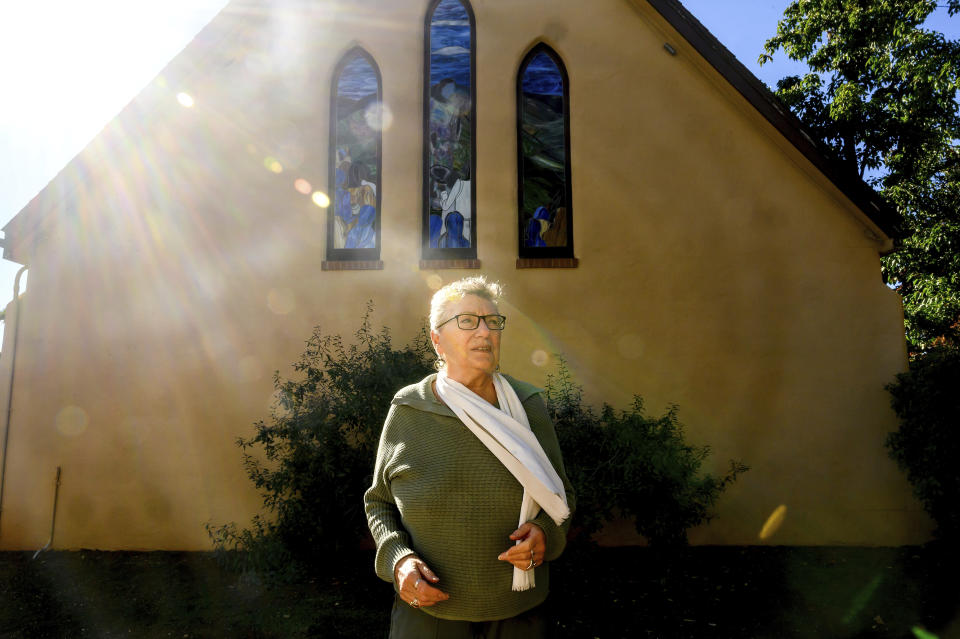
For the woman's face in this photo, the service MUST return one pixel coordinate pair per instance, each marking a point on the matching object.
(468, 353)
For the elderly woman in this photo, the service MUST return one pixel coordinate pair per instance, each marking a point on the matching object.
(469, 500)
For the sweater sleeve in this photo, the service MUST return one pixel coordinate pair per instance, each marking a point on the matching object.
(542, 426)
(383, 517)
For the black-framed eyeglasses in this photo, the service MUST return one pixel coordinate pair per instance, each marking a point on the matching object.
(470, 321)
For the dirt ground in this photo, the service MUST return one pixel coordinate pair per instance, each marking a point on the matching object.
(716, 592)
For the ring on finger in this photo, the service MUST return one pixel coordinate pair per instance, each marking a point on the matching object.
(530, 565)
(415, 603)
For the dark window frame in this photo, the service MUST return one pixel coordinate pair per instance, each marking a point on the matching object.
(455, 257)
(551, 253)
(358, 258)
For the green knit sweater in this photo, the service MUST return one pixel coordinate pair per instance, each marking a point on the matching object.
(440, 493)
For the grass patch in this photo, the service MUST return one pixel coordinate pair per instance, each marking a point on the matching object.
(743, 592)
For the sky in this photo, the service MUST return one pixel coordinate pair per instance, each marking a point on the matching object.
(67, 68)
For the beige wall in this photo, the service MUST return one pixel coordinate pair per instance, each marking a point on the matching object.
(718, 270)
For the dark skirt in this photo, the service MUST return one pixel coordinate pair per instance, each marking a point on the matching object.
(407, 622)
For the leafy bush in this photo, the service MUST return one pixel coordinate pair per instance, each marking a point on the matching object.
(312, 461)
(318, 449)
(629, 464)
(927, 444)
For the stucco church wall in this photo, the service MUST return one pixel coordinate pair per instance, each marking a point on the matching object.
(718, 270)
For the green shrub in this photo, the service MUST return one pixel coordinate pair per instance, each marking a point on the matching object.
(590, 456)
(318, 450)
(629, 464)
(313, 459)
(927, 445)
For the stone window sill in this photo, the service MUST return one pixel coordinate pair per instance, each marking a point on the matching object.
(547, 262)
(352, 265)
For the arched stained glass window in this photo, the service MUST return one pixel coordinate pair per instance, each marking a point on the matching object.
(543, 150)
(353, 222)
(449, 124)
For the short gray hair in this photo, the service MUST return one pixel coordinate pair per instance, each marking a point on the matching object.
(456, 291)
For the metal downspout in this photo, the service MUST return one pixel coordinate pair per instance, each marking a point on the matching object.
(53, 521)
(13, 363)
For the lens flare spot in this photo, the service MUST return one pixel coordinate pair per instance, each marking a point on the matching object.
(630, 346)
(434, 282)
(302, 186)
(185, 99)
(378, 116)
(773, 522)
(272, 164)
(539, 358)
(71, 421)
(320, 199)
(861, 599)
(281, 301)
(921, 633)
(161, 82)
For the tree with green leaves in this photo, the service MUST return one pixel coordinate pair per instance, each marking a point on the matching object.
(881, 95)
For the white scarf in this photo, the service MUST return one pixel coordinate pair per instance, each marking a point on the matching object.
(506, 433)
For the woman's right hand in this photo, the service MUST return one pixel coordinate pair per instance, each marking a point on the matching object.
(413, 579)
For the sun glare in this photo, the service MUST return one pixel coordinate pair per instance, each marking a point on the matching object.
(272, 164)
(302, 186)
(378, 116)
(773, 523)
(185, 99)
(71, 421)
(320, 199)
(281, 301)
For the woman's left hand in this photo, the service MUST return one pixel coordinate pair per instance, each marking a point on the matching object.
(528, 552)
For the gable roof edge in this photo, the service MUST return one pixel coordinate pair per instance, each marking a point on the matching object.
(29, 222)
(774, 111)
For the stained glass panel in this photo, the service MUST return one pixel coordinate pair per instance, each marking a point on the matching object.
(450, 225)
(545, 216)
(354, 227)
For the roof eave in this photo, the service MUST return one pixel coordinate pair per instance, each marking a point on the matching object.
(775, 112)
